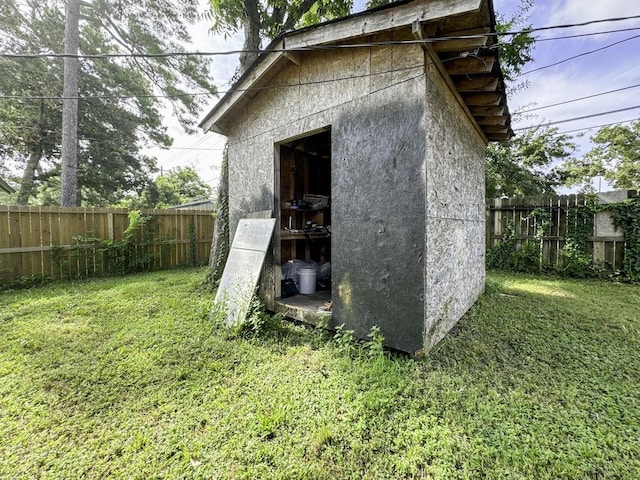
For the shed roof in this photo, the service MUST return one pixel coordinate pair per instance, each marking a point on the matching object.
(203, 203)
(5, 187)
(456, 34)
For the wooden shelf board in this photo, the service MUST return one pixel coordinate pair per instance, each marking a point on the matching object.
(301, 236)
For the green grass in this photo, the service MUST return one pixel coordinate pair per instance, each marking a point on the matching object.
(129, 378)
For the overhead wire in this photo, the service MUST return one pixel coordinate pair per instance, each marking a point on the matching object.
(198, 149)
(590, 34)
(317, 47)
(583, 117)
(596, 126)
(316, 82)
(580, 98)
(192, 94)
(185, 151)
(269, 87)
(577, 56)
(370, 44)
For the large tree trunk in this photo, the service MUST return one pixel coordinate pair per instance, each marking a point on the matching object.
(69, 151)
(251, 26)
(29, 174)
(29, 177)
(221, 241)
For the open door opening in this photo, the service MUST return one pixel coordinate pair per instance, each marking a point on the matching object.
(304, 237)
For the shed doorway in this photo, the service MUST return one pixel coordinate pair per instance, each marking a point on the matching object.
(303, 179)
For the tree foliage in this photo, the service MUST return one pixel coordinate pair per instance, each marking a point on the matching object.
(179, 185)
(266, 20)
(616, 157)
(118, 113)
(515, 50)
(524, 165)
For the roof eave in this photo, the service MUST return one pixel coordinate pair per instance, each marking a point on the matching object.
(358, 25)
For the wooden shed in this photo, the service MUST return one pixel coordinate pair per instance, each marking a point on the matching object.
(5, 187)
(365, 137)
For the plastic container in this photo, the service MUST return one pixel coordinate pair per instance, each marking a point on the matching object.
(307, 280)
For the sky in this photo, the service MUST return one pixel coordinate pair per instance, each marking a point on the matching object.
(614, 66)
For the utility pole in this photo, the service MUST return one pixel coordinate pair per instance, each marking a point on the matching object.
(69, 173)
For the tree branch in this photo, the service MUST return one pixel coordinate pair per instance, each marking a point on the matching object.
(296, 14)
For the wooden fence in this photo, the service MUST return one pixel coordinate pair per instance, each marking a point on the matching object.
(43, 241)
(606, 245)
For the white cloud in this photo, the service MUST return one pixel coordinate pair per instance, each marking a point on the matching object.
(577, 11)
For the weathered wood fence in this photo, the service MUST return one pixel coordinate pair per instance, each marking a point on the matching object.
(43, 241)
(606, 245)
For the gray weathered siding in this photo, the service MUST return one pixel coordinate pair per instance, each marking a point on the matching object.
(455, 220)
(407, 185)
(378, 191)
(378, 216)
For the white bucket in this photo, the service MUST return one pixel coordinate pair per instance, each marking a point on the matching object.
(307, 280)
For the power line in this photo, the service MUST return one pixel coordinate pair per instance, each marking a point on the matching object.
(315, 47)
(580, 98)
(199, 149)
(584, 24)
(252, 89)
(193, 94)
(578, 56)
(200, 141)
(596, 126)
(590, 34)
(578, 118)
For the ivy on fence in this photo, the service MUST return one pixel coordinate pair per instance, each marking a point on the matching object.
(626, 216)
(116, 257)
(577, 261)
(510, 255)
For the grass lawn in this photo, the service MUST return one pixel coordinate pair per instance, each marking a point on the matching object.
(129, 378)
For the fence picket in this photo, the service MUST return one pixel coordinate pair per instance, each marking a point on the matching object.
(30, 238)
(607, 251)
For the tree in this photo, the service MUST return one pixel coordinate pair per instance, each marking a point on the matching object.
(616, 157)
(259, 20)
(27, 136)
(118, 112)
(515, 50)
(524, 165)
(179, 185)
(69, 147)
(220, 243)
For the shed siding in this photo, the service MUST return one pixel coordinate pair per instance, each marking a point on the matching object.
(277, 114)
(455, 218)
(378, 215)
(378, 191)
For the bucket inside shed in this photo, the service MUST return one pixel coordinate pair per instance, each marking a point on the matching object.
(307, 280)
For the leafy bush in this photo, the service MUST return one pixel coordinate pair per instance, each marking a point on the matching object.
(509, 255)
(119, 257)
(626, 216)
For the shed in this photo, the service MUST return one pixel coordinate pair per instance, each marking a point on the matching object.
(5, 187)
(204, 203)
(374, 127)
